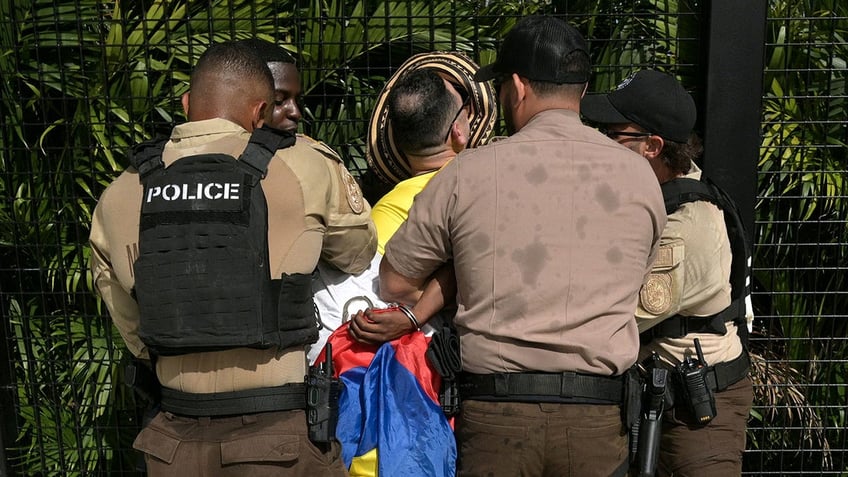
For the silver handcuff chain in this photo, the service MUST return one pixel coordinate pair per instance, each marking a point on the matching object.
(345, 314)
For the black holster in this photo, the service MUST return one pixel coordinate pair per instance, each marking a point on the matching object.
(443, 354)
(322, 400)
(141, 377)
(650, 427)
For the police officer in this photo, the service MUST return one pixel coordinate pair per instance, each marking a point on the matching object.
(651, 114)
(231, 410)
(551, 232)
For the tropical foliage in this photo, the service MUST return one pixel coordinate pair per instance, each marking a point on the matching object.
(84, 79)
(803, 218)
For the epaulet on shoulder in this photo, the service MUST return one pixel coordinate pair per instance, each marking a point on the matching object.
(318, 146)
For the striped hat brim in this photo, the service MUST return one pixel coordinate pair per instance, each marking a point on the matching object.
(390, 164)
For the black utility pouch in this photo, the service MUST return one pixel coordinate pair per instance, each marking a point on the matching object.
(631, 409)
(296, 317)
(632, 402)
(322, 400)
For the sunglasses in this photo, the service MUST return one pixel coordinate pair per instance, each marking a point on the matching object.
(461, 91)
(614, 134)
(466, 100)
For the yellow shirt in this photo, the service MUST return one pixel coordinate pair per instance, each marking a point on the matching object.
(393, 209)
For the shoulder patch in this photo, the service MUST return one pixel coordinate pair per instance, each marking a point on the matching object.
(655, 294)
(665, 257)
(352, 190)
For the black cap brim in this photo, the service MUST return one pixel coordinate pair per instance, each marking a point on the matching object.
(486, 73)
(598, 109)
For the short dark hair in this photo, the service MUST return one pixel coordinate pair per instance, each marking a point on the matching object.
(420, 109)
(269, 52)
(679, 156)
(230, 60)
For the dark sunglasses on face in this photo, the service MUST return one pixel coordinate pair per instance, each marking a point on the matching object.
(614, 134)
(461, 91)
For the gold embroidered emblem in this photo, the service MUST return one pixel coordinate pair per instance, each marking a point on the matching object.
(655, 294)
(354, 193)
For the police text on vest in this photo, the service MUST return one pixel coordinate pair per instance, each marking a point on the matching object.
(211, 191)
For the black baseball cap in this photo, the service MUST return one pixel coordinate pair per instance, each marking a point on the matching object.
(535, 49)
(651, 99)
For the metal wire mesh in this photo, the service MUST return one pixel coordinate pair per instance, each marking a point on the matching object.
(802, 237)
(83, 80)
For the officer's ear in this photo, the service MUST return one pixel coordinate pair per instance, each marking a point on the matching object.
(520, 85)
(258, 114)
(184, 100)
(653, 146)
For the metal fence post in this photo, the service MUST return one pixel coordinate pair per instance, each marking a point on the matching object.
(733, 100)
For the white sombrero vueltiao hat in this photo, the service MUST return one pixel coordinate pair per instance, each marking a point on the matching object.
(391, 165)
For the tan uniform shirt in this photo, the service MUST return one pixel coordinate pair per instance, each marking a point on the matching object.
(551, 232)
(315, 209)
(691, 276)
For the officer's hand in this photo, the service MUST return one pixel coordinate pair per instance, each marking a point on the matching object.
(377, 328)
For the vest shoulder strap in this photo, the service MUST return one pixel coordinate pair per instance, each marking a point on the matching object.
(146, 157)
(677, 192)
(264, 143)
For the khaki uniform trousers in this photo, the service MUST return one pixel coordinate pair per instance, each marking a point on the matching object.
(255, 445)
(714, 449)
(512, 439)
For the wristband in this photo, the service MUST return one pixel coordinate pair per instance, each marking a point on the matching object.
(409, 314)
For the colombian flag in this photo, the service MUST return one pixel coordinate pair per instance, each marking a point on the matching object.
(390, 422)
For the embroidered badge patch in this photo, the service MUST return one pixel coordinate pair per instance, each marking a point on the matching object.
(655, 294)
(354, 193)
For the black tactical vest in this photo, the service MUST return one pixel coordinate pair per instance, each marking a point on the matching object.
(202, 278)
(677, 192)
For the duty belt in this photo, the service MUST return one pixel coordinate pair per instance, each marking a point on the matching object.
(723, 375)
(678, 326)
(566, 387)
(251, 401)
